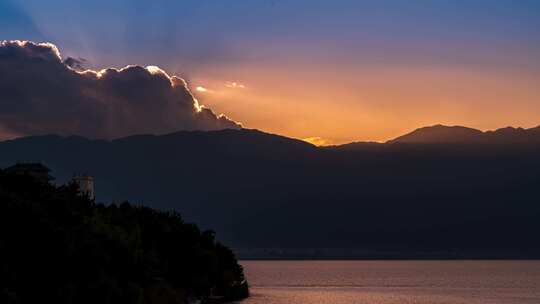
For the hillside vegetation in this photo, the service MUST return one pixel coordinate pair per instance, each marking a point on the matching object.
(59, 247)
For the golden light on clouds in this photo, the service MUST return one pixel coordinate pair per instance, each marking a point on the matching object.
(156, 70)
(201, 89)
(234, 85)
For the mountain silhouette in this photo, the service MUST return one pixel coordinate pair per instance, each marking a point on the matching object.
(440, 134)
(459, 134)
(406, 198)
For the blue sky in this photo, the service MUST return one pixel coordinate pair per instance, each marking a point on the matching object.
(203, 31)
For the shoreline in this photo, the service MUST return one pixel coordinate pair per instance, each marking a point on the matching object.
(324, 254)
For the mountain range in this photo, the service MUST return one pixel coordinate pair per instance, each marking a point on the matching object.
(441, 192)
(459, 134)
(440, 134)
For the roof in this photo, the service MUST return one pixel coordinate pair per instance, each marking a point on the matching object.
(35, 167)
(37, 170)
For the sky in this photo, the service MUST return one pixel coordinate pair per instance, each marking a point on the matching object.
(331, 71)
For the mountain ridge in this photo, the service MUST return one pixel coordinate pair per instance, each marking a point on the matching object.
(247, 184)
(460, 134)
(435, 134)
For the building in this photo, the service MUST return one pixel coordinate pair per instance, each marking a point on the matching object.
(86, 185)
(34, 169)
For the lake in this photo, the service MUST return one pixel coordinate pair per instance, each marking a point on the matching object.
(393, 282)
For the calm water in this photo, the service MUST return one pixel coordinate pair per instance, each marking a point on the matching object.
(394, 282)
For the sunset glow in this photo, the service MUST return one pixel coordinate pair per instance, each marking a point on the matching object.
(235, 85)
(353, 71)
(317, 141)
(269, 151)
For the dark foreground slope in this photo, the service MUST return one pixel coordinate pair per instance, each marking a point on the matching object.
(58, 247)
(258, 190)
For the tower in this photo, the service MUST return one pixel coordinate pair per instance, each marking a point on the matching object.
(86, 185)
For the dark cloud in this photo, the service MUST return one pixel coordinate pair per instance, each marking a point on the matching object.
(76, 63)
(41, 94)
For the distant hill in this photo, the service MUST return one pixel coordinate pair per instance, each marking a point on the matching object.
(513, 135)
(425, 198)
(440, 134)
(458, 134)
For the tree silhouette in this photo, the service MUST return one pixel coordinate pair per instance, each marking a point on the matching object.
(57, 246)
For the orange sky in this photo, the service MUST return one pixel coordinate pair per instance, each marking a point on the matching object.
(338, 70)
(342, 103)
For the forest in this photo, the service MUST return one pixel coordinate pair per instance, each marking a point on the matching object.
(57, 246)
